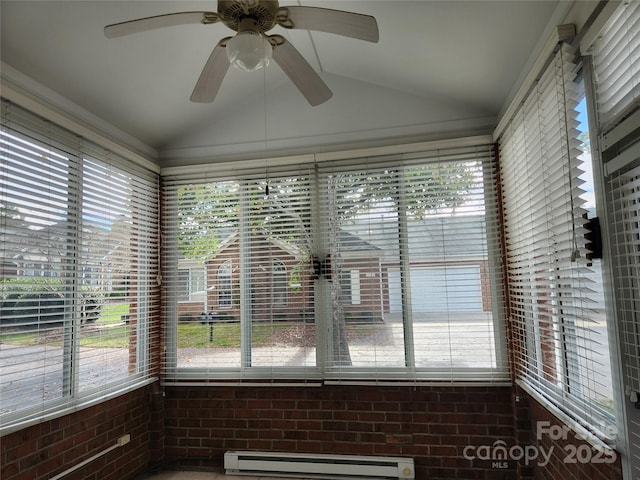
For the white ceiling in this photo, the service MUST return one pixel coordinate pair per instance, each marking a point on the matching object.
(441, 68)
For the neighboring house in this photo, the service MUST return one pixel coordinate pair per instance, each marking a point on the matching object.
(191, 288)
(38, 251)
(106, 260)
(282, 281)
(365, 271)
(461, 283)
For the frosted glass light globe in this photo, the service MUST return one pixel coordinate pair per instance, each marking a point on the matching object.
(249, 51)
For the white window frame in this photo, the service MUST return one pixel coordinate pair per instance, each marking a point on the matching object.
(195, 276)
(415, 153)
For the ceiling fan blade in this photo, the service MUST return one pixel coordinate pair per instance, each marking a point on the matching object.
(159, 21)
(300, 72)
(212, 74)
(348, 24)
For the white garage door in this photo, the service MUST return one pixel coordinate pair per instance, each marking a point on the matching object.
(439, 289)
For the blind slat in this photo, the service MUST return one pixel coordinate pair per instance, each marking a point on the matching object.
(616, 63)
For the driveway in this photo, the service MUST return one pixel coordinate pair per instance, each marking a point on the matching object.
(31, 374)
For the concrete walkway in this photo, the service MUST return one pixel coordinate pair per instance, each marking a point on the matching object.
(438, 344)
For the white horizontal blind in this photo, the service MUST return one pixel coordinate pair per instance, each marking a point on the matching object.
(304, 271)
(412, 242)
(616, 61)
(249, 235)
(79, 233)
(556, 341)
(119, 267)
(623, 188)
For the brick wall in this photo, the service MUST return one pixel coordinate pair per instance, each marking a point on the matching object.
(193, 427)
(431, 424)
(45, 450)
(571, 458)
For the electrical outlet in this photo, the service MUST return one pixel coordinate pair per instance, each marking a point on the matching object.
(124, 439)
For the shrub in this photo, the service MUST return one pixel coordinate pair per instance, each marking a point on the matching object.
(42, 303)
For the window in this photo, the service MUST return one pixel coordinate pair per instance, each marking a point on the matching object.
(559, 329)
(252, 235)
(184, 284)
(80, 226)
(616, 61)
(412, 241)
(623, 191)
(613, 45)
(350, 287)
(616, 66)
(331, 263)
(191, 283)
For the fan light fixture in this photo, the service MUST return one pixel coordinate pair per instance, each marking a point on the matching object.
(249, 51)
(251, 48)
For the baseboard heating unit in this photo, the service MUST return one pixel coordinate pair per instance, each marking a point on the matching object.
(303, 465)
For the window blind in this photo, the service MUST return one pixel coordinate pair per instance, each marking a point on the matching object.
(79, 232)
(559, 350)
(623, 189)
(251, 234)
(310, 269)
(412, 243)
(616, 61)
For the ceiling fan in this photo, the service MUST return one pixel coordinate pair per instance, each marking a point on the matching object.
(251, 48)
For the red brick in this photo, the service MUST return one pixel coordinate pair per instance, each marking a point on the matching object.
(65, 441)
(399, 438)
(430, 424)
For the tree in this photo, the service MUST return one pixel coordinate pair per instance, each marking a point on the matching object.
(205, 213)
(280, 209)
(420, 190)
(411, 193)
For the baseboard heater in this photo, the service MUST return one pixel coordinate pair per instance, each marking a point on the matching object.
(303, 465)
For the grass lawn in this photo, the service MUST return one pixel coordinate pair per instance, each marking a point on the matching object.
(112, 313)
(106, 337)
(19, 338)
(107, 331)
(225, 334)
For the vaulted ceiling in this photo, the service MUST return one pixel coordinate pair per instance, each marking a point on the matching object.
(441, 68)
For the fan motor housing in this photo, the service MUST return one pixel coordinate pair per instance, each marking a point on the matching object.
(262, 11)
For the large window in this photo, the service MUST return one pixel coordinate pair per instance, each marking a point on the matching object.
(253, 236)
(78, 229)
(342, 270)
(411, 244)
(614, 47)
(556, 305)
